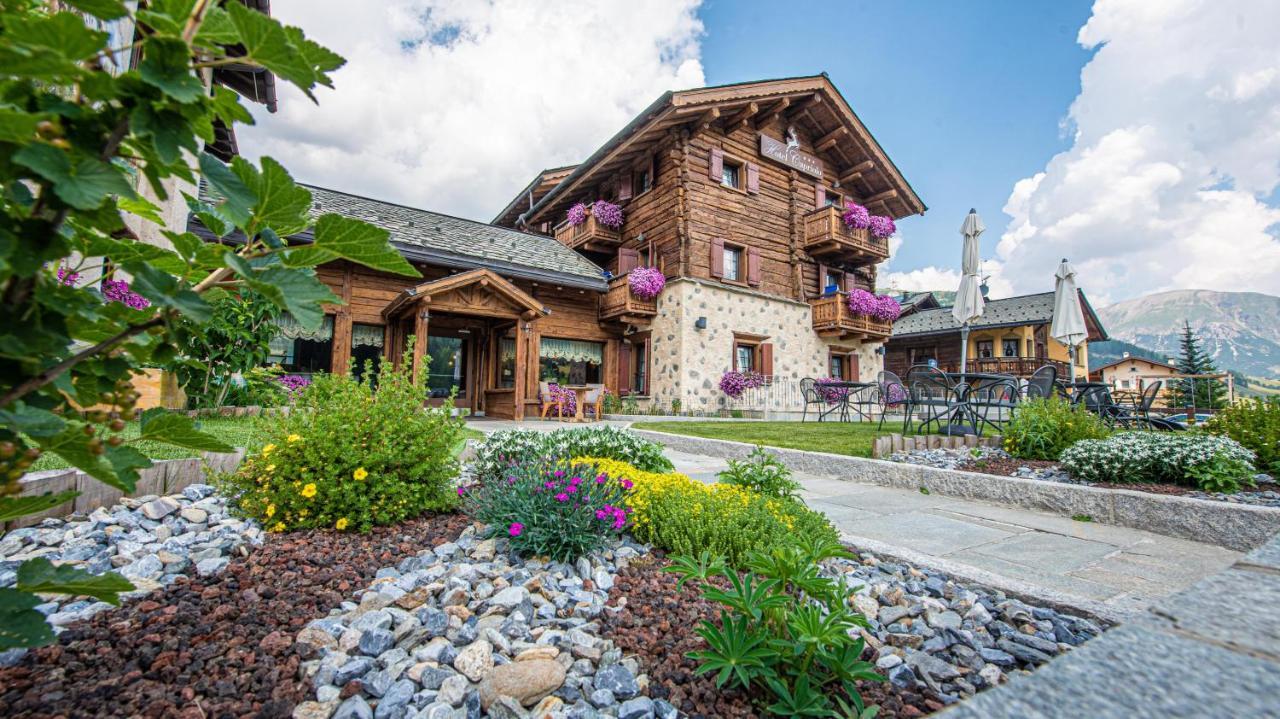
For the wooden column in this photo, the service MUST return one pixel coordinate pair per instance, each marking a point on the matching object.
(419, 341)
(522, 357)
(342, 326)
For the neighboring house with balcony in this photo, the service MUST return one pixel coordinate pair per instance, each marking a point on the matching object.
(1135, 374)
(1011, 337)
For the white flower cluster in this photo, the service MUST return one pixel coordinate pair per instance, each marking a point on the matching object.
(1149, 456)
(511, 447)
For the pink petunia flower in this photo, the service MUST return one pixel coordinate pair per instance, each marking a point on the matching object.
(515, 529)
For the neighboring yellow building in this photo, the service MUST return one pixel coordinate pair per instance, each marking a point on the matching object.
(1135, 374)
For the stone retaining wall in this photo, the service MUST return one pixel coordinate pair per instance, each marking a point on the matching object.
(1234, 526)
(164, 477)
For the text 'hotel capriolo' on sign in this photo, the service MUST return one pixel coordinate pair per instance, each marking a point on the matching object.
(789, 154)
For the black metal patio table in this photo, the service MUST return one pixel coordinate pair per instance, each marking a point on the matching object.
(848, 390)
(964, 409)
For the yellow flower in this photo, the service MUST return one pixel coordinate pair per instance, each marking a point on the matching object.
(271, 509)
(341, 524)
(295, 437)
(279, 527)
(271, 468)
(268, 449)
(360, 474)
(309, 491)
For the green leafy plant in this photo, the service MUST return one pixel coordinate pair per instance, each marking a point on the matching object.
(1042, 428)
(511, 448)
(1082, 517)
(675, 406)
(630, 404)
(763, 473)
(612, 403)
(1210, 462)
(235, 339)
(785, 629)
(560, 509)
(82, 146)
(351, 458)
(1255, 424)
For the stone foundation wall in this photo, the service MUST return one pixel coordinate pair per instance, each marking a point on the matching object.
(688, 362)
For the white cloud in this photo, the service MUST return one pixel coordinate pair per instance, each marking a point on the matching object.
(453, 105)
(1176, 145)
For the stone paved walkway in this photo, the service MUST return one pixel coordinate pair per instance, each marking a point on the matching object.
(1113, 571)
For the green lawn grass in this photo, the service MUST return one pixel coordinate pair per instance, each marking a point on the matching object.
(851, 438)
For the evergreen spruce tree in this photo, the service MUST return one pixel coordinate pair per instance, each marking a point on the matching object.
(1203, 393)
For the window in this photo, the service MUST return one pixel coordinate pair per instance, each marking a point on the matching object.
(646, 256)
(833, 199)
(506, 362)
(640, 370)
(300, 350)
(446, 369)
(986, 349)
(572, 362)
(1030, 349)
(832, 280)
(1009, 348)
(731, 175)
(366, 350)
(837, 367)
(642, 181)
(1124, 384)
(744, 357)
(733, 263)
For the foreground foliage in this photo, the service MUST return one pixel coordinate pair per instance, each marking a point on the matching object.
(1255, 424)
(1042, 428)
(1210, 462)
(785, 629)
(515, 447)
(347, 457)
(559, 509)
(763, 473)
(680, 514)
(79, 139)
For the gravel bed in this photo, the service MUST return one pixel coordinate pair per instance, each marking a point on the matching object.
(991, 460)
(468, 629)
(937, 641)
(211, 646)
(150, 540)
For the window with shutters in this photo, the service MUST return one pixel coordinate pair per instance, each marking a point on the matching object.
(731, 174)
(836, 368)
(832, 280)
(744, 357)
(640, 367)
(733, 263)
(643, 181)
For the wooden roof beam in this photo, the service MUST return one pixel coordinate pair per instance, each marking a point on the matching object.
(774, 112)
(881, 197)
(856, 171)
(709, 117)
(742, 116)
(829, 140)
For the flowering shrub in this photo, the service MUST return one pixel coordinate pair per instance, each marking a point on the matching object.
(577, 214)
(646, 282)
(1212, 463)
(350, 458)
(566, 401)
(515, 447)
(118, 291)
(558, 509)
(607, 214)
(880, 307)
(294, 383)
(1255, 424)
(734, 383)
(683, 515)
(67, 277)
(882, 226)
(1042, 428)
(856, 216)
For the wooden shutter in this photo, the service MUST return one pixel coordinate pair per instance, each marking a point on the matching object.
(648, 358)
(717, 257)
(822, 279)
(624, 187)
(852, 363)
(819, 195)
(715, 168)
(766, 359)
(753, 178)
(628, 259)
(624, 367)
(753, 266)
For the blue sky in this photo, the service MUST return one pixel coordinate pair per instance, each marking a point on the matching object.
(967, 98)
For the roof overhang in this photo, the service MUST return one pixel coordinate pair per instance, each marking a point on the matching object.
(542, 183)
(523, 305)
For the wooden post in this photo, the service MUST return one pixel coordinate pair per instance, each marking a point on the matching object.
(341, 341)
(522, 358)
(420, 318)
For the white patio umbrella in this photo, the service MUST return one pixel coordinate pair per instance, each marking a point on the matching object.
(968, 306)
(1068, 318)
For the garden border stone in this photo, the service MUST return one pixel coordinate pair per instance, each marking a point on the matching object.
(1233, 526)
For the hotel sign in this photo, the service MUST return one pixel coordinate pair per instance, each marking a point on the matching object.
(789, 154)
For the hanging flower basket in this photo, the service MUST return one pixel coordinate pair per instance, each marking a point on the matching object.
(734, 383)
(577, 214)
(879, 307)
(856, 216)
(646, 283)
(607, 214)
(882, 227)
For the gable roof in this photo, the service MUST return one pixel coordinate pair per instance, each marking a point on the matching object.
(439, 239)
(1007, 312)
(810, 101)
(912, 302)
(1135, 358)
(489, 279)
(542, 183)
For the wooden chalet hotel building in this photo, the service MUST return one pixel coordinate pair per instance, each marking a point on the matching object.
(733, 192)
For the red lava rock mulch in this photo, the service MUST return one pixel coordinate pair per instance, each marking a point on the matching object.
(214, 647)
(657, 626)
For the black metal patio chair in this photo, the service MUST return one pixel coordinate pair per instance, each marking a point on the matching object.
(931, 397)
(1041, 383)
(891, 392)
(991, 401)
(809, 390)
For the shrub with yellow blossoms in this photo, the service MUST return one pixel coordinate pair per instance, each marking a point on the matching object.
(350, 458)
(685, 516)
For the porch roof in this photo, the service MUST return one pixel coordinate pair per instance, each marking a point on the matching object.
(522, 303)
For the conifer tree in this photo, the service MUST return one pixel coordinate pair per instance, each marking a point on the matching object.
(1203, 393)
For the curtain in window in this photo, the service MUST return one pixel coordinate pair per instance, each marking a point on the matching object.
(367, 336)
(282, 345)
(507, 349)
(572, 351)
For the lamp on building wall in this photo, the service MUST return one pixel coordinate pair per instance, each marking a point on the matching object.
(880, 350)
(700, 323)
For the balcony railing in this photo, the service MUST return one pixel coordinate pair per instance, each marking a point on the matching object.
(619, 304)
(831, 317)
(827, 237)
(1016, 366)
(590, 235)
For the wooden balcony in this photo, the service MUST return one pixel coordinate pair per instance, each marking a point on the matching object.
(827, 238)
(590, 236)
(832, 318)
(619, 305)
(1016, 366)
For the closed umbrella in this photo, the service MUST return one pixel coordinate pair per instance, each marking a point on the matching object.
(1068, 318)
(968, 306)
